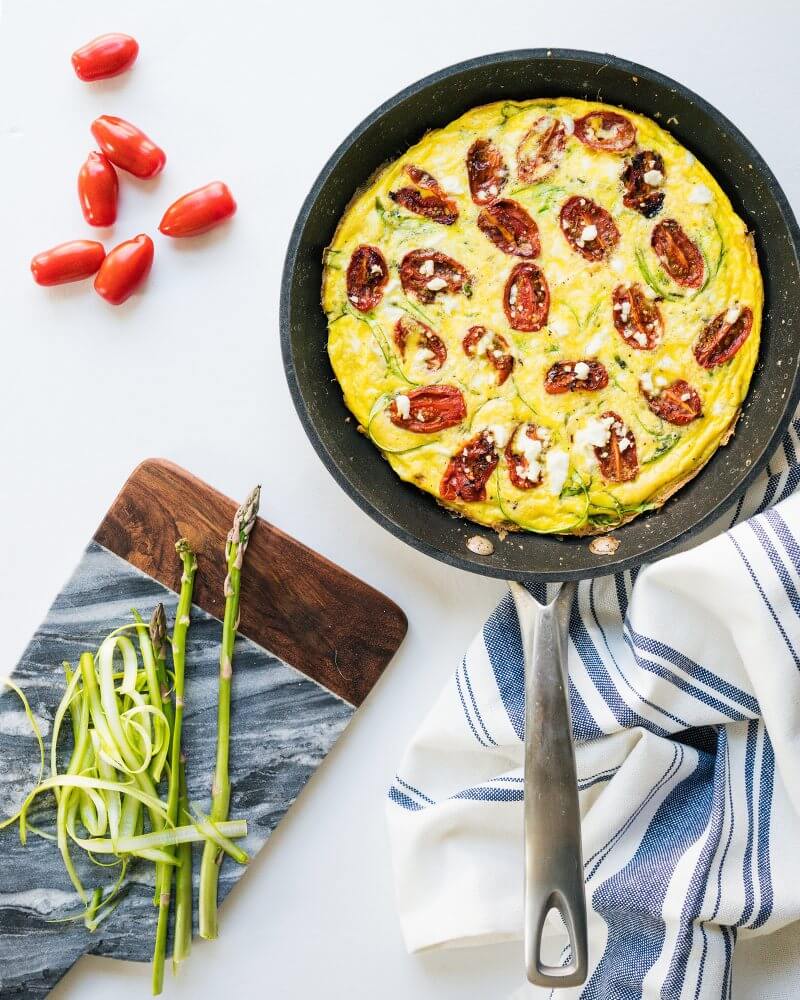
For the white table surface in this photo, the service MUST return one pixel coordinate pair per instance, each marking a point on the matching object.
(259, 94)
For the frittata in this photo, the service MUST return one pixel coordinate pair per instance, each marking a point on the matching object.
(545, 314)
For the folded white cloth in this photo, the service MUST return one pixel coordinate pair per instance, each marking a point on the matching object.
(685, 696)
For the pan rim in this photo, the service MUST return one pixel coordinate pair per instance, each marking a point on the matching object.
(591, 60)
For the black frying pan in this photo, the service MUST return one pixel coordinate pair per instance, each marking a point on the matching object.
(554, 874)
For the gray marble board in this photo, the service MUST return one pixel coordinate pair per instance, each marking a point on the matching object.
(288, 709)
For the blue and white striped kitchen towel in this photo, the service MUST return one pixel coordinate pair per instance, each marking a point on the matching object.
(685, 694)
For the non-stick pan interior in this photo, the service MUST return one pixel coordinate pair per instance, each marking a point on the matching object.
(436, 100)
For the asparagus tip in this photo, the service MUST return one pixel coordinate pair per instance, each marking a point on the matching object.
(245, 519)
(158, 630)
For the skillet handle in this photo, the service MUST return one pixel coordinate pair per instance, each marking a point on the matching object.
(553, 855)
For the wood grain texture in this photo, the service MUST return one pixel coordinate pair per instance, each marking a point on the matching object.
(303, 608)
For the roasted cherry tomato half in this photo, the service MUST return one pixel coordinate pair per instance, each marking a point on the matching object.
(71, 261)
(428, 273)
(98, 190)
(469, 469)
(678, 403)
(428, 344)
(642, 179)
(637, 319)
(575, 376)
(510, 228)
(519, 468)
(486, 170)
(617, 459)
(124, 269)
(367, 275)
(677, 254)
(723, 336)
(606, 130)
(588, 228)
(541, 149)
(429, 409)
(493, 346)
(128, 147)
(198, 211)
(427, 198)
(526, 298)
(108, 55)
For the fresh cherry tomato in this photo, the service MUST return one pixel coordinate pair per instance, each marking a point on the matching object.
(124, 269)
(108, 55)
(71, 261)
(98, 188)
(128, 147)
(198, 211)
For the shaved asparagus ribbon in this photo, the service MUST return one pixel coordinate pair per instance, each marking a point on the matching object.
(107, 799)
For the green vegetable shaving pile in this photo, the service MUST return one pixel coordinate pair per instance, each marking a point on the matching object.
(122, 794)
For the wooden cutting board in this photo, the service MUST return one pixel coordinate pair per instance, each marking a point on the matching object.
(314, 640)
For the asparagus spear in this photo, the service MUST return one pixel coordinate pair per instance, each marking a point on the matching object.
(235, 547)
(164, 871)
(182, 944)
(158, 638)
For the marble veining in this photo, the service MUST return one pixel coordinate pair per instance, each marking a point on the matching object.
(283, 725)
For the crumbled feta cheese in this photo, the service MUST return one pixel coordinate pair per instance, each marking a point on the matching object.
(403, 404)
(660, 381)
(581, 370)
(640, 338)
(589, 233)
(558, 327)
(425, 355)
(594, 345)
(530, 449)
(733, 313)
(646, 382)
(436, 284)
(557, 464)
(569, 123)
(482, 347)
(700, 195)
(426, 268)
(623, 443)
(653, 177)
(686, 397)
(617, 264)
(512, 295)
(625, 309)
(500, 434)
(594, 434)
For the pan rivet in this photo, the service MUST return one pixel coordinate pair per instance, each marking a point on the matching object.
(480, 546)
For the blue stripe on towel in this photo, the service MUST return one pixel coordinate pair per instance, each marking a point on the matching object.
(631, 900)
(624, 714)
(765, 599)
(645, 643)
